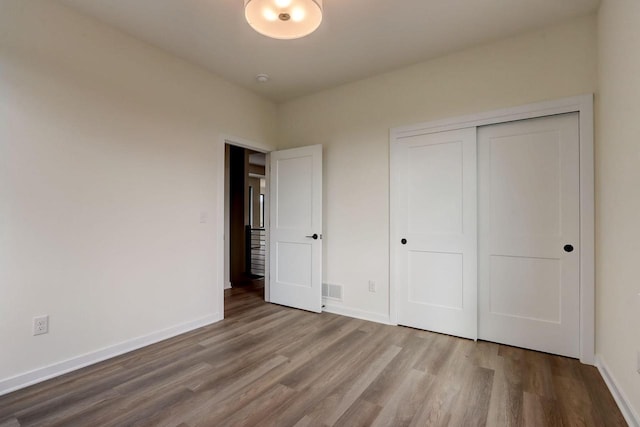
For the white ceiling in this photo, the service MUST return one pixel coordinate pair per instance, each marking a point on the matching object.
(357, 38)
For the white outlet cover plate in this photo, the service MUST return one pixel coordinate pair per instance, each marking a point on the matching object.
(40, 325)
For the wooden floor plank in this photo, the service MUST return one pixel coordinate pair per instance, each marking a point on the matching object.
(268, 365)
(351, 391)
(473, 401)
(505, 406)
(360, 414)
(10, 422)
(403, 405)
(602, 401)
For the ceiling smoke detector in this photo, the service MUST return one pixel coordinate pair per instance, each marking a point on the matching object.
(262, 78)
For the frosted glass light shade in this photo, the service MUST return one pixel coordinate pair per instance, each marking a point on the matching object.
(283, 19)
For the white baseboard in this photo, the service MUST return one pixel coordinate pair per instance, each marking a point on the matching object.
(629, 414)
(42, 374)
(353, 312)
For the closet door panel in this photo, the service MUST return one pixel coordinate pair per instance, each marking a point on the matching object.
(434, 231)
(529, 218)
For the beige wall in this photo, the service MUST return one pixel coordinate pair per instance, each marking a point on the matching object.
(353, 121)
(618, 194)
(108, 155)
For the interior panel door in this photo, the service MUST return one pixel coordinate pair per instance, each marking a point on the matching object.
(296, 228)
(434, 231)
(529, 219)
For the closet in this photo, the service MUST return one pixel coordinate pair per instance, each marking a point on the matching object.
(486, 232)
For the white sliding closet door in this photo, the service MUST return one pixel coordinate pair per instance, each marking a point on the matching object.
(434, 231)
(529, 224)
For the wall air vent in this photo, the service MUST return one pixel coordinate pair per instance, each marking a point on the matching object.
(332, 291)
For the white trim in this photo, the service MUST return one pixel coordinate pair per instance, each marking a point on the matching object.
(393, 256)
(583, 105)
(222, 229)
(529, 111)
(267, 227)
(587, 235)
(222, 240)
(354, 312)
(629, 414)
(59, 368)
(245, 143)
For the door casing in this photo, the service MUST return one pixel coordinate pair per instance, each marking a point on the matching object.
(222, 214)
(583, 105)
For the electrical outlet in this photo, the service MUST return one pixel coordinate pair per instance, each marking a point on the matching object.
(372, 286)
(41, 325)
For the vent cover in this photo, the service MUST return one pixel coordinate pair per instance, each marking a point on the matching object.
(332, 291)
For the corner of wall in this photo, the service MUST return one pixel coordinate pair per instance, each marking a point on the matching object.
(628, 412)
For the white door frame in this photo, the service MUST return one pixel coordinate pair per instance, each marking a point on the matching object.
(583, 105)
(222, 213)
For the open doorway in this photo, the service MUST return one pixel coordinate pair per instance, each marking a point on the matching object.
(285, 218)
(245, 220)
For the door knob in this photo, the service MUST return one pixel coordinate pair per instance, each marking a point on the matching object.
(403, 241)
(568, 248)
(314, 236)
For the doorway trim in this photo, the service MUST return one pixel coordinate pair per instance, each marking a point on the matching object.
(223, 232)
(583, 105)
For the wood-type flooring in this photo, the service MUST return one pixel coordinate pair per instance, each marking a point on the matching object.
(267, 365)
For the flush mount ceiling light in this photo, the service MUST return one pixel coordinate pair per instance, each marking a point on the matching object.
(283, 19)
